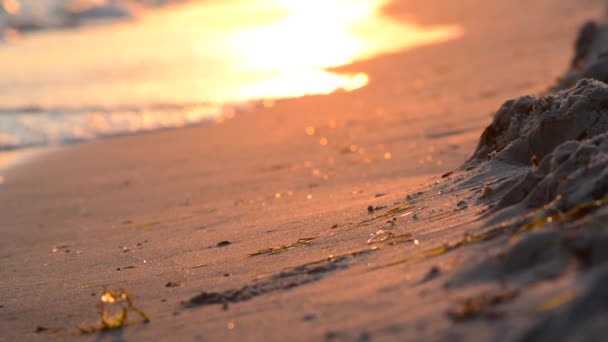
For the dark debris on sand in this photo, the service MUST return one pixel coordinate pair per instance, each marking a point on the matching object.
(281, 281)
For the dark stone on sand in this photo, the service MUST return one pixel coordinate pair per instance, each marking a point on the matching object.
(309, 317)
(282, 281)
(223, 243)
(432, 274)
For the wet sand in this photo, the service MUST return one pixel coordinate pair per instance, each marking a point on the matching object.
(146, 213)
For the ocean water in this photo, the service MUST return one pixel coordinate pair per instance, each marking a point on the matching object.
(76, 70)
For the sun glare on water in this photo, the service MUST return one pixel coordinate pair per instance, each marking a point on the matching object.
(216, 51)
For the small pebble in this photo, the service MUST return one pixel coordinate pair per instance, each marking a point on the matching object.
(432, 274)
(485, 191)
(309, 317)
(462, 205)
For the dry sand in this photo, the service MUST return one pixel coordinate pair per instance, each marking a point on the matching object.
(454, 257)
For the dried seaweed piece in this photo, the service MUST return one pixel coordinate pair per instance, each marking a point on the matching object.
(390, 213)
(280, 249)
(447, 174)
(500, 231)
(61, 248)
(572, 214)
(383, 235)
(558, 300)
(534, 161)
(476, 306)
(436, 251)
(125, 268)
(285, 280)
(398, 209)
(146, 224)
(122, 300)
(397, 239)
(45, 330)
(379, 236)
(485, 191)
(585, 208)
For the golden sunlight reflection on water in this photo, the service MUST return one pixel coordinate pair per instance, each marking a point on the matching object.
(217, 51)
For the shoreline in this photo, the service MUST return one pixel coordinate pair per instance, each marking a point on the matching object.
(11, 159)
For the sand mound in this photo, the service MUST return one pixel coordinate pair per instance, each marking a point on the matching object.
(548, 160)
(534, 126)
(575, 172)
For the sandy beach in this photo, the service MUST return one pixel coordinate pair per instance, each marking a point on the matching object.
(326, 217)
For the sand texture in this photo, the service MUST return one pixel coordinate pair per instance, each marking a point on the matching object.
(372, 215)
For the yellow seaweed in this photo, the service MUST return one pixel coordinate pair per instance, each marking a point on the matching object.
(558, 300)
(574, 213)
(482, 304)
(283, 248)
(397, 239)
(390, 213)
(107, 321)
(147, 224)
(45, 330)
(382, 235)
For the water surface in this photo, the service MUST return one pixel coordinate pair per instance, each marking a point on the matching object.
(184, 64)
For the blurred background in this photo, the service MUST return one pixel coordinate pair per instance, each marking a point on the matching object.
(75, 70)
